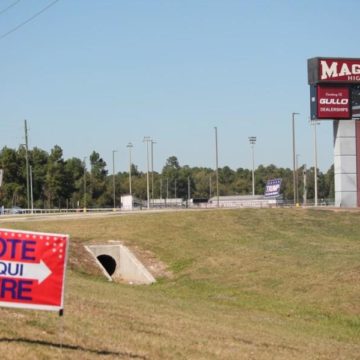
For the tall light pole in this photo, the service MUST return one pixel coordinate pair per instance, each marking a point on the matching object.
(167, 189)
(314, 123)
(293, 143)
(304, 186)
(189, 190)
(297, 178)
(161, 187)
(113, 176)
(147, 139)
(252, 140)
(217, 167)
(27, 165)
(85, 184)
(152, 170)
(130, 146)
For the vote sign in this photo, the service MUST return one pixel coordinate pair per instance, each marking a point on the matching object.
(32, 269)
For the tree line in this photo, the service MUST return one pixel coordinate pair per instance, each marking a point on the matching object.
(67, 183)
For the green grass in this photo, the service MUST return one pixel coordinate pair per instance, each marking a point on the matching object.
(249, 283)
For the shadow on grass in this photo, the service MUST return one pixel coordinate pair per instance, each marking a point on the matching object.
(73, 347)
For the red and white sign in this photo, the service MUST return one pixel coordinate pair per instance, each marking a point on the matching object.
(339, 70)
(333, 102)
(32, 269)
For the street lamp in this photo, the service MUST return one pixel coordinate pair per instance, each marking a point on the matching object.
(27, 165)
(147, 139)
(152, 170)
(252, 140)
(293, 141)
(189, 190)
(297, 178)
(113, 165)
(85, 184)
(217, 167)
(314, 123)
(167, 190)
(130, 146)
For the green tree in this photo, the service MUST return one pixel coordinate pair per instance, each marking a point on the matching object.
(74, 173)
(97, 181)
(330, 183)
(170, 174)
(203, 181)
(177, 177)
(55, 178)
(38, 161)
(13, 190)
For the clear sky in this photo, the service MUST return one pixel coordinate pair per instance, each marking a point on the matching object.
(95, 74)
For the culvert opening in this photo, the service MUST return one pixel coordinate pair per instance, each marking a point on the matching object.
(118, 263)
(108, 263)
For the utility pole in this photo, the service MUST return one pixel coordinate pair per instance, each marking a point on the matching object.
(305, 187)
(297, 179)
(217, 167)
(161, 187)
(130, 146)
(85, 184)
(314, 123)
(27, 165)
(147, 139)
(167, 188)
(113, 176)
(293, 145)
(189, 194)
(152, 170)
(252, 140)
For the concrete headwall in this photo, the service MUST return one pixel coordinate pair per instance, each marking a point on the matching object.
(128, 267)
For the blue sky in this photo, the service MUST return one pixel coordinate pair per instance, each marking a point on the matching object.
(93, 75)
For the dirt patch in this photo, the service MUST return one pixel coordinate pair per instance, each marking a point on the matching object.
(81, 260)
(157, 268)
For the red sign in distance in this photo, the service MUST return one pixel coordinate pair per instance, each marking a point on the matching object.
(32, 269)
(333, 102)
(339, 70)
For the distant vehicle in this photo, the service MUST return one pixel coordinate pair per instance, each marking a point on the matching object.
(16, 210)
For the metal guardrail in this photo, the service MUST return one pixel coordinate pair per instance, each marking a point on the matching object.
(247, 204)
(16, 211)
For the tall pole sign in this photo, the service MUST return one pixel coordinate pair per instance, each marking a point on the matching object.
(32, 269)
(334, 88)
(335, 95)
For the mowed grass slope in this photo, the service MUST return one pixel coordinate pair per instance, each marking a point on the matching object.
(245, 284)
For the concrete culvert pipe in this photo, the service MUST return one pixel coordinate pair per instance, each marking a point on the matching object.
(118, 262)
(108, 262)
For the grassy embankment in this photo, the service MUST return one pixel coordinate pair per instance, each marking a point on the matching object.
(246, 284)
